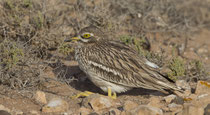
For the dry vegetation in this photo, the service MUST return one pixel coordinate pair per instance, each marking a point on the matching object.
(32, 33)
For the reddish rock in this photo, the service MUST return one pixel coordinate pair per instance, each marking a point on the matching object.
(40, 97)
(98, 102)
(101, 103)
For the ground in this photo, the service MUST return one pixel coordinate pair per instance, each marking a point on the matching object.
(35, 58)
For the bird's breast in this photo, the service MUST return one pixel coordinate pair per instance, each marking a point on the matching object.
(81, 58)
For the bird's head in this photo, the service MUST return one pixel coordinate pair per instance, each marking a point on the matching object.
(89, 34)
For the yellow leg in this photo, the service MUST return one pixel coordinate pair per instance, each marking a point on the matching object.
(87, 93)
(114, 96)
(82, 94)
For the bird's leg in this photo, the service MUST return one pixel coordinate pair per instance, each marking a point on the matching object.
(114, 96)
(87, 93)
(82, 94)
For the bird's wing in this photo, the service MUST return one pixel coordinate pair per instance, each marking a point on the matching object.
(124, 66)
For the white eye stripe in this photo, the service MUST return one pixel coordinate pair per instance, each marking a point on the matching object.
(91, 34)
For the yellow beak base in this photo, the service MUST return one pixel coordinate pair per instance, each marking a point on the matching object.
(72, 39)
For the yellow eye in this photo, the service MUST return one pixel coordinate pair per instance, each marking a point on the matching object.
(86, 36)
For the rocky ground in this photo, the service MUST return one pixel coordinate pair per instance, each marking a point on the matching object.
(39, 76)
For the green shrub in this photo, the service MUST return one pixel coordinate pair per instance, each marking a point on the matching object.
(10, 54)
(177, 67)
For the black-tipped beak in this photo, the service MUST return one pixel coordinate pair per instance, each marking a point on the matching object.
(72, 39)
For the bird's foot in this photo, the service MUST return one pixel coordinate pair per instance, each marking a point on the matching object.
(114, 96)
(82, 94)
(87, 93)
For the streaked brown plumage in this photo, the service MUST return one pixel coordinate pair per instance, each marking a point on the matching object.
(112, 64)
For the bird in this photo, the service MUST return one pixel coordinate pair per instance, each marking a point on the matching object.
(114, 66)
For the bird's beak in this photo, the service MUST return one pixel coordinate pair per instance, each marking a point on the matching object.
(72, 39)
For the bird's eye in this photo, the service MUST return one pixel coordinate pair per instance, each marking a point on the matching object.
(86, 36)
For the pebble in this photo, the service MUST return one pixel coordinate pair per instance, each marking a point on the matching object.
(55, 105)
(40, 97)
(98, 102)
(101, 102)
(170, 98)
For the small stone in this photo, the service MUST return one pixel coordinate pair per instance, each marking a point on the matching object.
(98, 102)
(156, 102)
(207, 110)
(178, 100)
(84, 111)
(202, 87)
(174, 107)
(170, 98)
(40, 97)
(128, 105)
(55, 105)
(146, 110)
(139, 15)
